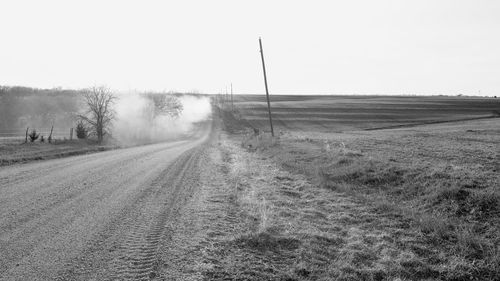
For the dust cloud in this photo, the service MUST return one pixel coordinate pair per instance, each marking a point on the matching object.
(136, 124)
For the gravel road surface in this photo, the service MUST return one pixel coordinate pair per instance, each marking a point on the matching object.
(103, 216)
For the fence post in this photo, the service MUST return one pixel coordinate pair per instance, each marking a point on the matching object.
(232, 102)
(26, 138)
(50, 136)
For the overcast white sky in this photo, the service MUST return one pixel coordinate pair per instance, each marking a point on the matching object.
(316, 47)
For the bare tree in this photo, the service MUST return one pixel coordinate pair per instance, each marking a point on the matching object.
(161, 104)
(99, 113)
(164, 104)
(168, 105)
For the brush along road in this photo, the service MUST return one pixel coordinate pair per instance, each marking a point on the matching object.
(101, 216)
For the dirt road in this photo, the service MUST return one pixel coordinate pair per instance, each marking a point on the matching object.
(103, 216)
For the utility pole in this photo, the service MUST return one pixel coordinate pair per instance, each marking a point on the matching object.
(232, 103)
(222, 99)
(267, 91)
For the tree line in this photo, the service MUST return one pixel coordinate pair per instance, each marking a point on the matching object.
(92, 109)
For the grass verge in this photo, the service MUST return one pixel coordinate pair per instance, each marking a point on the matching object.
(14, 152)
(441, 180)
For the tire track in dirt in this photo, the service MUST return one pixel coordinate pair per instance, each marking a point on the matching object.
(138, 255)
(129, 249)
(96, 217)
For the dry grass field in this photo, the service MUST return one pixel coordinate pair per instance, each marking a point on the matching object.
(330, 199)
(13, 151)
(341, 113)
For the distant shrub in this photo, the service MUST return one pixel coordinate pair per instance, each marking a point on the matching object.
(437, 228)
(264, 241)
(452, 193)
(485, 204)
(322, 175)
(33, 135)
(81, 131)
(42, 139)
(259, 140)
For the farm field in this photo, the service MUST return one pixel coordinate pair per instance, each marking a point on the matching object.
(341, 113)
(330, 199)
(13, 151)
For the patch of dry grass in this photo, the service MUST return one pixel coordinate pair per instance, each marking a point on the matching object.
(296, 231)
(443, 184)
(12, 152)
(259, 141)
(403, 204)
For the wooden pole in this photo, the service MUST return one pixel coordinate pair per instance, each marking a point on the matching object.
(50, 136)
(265, 82)
(227, 96)
(219, 104)
(223, 100)
(26, 138)
(232, 103)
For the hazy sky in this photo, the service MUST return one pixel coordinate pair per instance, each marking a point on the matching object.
(354, 47)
